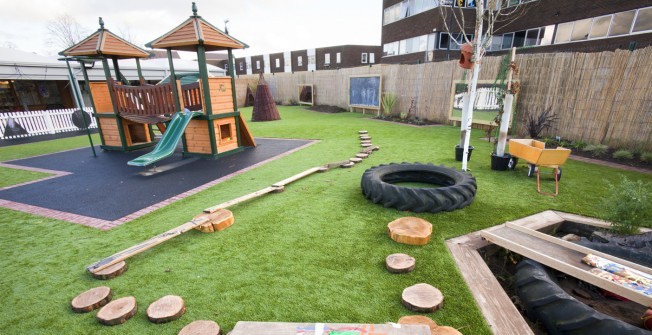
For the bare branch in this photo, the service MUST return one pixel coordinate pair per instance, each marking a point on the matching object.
(64, 31)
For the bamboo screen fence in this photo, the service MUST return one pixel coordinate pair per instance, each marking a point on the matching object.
(600, 97)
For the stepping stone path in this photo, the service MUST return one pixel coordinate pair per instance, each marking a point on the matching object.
(166, 309)
(355, 159)
(347, 165)
(365, 141)
(365, 137)
(364, 145)
(111, 271)
(418, 320)
(117, 311)
(410, 230)
(362, 132)
(201, 327)
(400, 263)
(422, 298)
(91, 299)
(362, 155)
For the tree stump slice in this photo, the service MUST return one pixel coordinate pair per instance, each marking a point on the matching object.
(205, 228)
(445, 330)
(355, 159)
(117, 311)
(363, 132)
(418, 320)
(111, 271)
(166, 309)
(365, 137)
(400, 263)
(410, 230)
(219, 221)
(91, 299)
(422, 298)
(365, 145)
(201, 327)
(363, 156)
(365, 141)
(347, 165)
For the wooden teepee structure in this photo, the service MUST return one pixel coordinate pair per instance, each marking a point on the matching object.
(264, 105)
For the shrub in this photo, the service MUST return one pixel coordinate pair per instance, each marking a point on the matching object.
(646, 157)
(579, 145)
(623, 155)
(538, 123)
(628, 206)
(596, 150)
(388, 100)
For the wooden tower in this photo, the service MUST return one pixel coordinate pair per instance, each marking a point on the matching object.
(116, 131)
(221, 128)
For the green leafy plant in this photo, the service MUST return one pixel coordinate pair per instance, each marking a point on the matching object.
(597, 150)
(628, 206)
(404, 115)
(623, 155)
(579, 145)
(646, 157)
(388, 100)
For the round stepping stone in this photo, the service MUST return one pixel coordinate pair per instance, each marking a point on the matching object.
(365, 137)
(410, 230)
(347, 165)
(364, 145)
(111, 271)
(363, 156)
(418, 320)
(445, 330)
(355, 159)
(365, 141)
(400, 263)
(362, 132)
(117, 311)
(201, 327)
(422, 298)
(166, 309)
(91, 299)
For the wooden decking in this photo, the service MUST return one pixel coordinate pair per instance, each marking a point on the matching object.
(525, 236)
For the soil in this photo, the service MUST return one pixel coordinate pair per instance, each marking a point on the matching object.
(503, 265)
(412, 121)
(636, 161)
(327, 109)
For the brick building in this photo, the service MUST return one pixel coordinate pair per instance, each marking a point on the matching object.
(415, 31)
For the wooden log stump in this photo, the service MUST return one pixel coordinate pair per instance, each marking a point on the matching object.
(400, 263)
(362, 132)
(446, 330)
(166, 309)
(347, 165)
(201, 327)
(361, 155)
(410, 230)
(365, 145)
(422, 298)
(91, 299)
(418, 320)
(111, 271)
(355, 159)
(219, 220)
(365, 141)
(365, 137)
(206, 228)
(117, 311)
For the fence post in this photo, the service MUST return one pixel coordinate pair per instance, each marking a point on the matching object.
(48, 122)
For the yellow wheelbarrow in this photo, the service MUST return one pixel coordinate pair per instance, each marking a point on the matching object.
(535, 153)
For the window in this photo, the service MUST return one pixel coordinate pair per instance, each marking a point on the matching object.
(364, 58)
(546, 35)
(622, 23)
(338, 57)
(299, 61)
(444, 40)
(581, 30)
(507, 41)
(496, 42)
(643, 20)
(532, 37)
(372, 57)
(327, 59)
(391, 49)
(391, 14)
(241, 66)
(278, 62)
(519, 39)
(563, 32)
(600, 27)
(257, 64)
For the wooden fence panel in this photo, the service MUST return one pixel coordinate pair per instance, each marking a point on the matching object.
(599, 97)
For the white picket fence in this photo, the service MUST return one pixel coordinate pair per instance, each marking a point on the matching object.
(40, 122)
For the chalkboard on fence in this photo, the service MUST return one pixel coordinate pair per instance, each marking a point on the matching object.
(364, 91)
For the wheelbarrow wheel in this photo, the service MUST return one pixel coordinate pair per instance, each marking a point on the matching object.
(532, 170)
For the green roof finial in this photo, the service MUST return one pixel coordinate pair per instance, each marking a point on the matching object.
(194, 9)
(101, 23)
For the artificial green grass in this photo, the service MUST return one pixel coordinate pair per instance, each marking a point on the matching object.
(9, 176)
(314, 253)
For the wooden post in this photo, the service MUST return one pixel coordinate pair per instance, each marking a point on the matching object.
(140, 72)
(90, 95)
(77, 94)
(118, 120)
(203, 74)
(116, 69)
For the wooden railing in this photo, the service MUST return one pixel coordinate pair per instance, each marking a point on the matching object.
(191, 95)
(144, 100)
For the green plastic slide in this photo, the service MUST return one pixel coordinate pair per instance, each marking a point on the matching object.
(169, 141)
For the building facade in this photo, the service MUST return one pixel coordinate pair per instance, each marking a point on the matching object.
(416, 31)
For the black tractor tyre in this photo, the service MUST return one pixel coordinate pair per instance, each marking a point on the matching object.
(560, 313)
(457, 188)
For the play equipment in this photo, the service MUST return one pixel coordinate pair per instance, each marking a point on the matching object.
(457, 188)
(264, 105)
(125, 113)
(214, 218)
(535, 153)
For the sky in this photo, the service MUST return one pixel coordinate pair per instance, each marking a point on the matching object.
(267, 26)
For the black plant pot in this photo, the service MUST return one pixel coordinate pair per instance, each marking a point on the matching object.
(459, 152)
(503, 163)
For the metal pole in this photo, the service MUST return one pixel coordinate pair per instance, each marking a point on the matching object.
(77, 95)
(173, 81)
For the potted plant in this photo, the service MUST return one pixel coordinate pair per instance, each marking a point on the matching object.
(501, 161)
